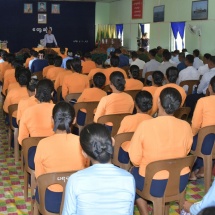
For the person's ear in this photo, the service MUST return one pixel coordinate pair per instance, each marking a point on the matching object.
(74, 121)
(113, 141)
(84, 154)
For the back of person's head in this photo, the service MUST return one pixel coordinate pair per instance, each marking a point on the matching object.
(172, 74)
(118, 80)
(35, 53)
(134, 55)
(62, 50)
(153, 52)
(166, 55)
(10, 57)
(88, 55)
(207, 56)
(184, 50)
(16, 63)
(32, 84)
(134, 69)
(114, 61)
(181, 55)
(76, 65)
(99, 80)
(26, 55)
(58, 61)
(69, 52)
(189, 58)
(207, 211)
(212, 60)
(23, 76)
(212, 83)
(158, 77)
(50, 59)
(143, 101)
(196, 53)
(68, 64)
(141, 49)
(96, 142)
(44, 90)
(63, 114)
(98, 61)
(17, 69)
(118, 51)
(170, 100)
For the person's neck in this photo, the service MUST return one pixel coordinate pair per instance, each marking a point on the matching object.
(97, 162)
(60, 132)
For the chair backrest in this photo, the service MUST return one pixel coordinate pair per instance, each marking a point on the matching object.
(119, 140)
(182, 113)
(146, 77)
(72, 96)
(59, 90)
(38, 74)
(174, 167)
(126, 68)
(115, 119)
(89, 107)
(132, 93)
(107, 89)
(27, 143)
(11, 109)
(190, 84)
(44, 181)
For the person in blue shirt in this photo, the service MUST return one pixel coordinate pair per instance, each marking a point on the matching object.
(69, 57)
(123, 60)
(102, 188)
(38, 64)
(182, 64)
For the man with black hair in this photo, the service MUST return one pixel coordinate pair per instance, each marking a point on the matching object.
(99, 68)
(123, 60)
(203, 69)
(87, 64)
(197, 62)
(182, 64)
(39, 63)
(136, 60)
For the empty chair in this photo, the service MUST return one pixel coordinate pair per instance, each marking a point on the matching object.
(191, 84)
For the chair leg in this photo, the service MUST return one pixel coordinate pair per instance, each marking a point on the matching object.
(35, 209)
(33, 184)
(207, 171)
(158, 206)
(9, 137)
(16, 145)
(22, 161)
(167, 208)
(25, 185)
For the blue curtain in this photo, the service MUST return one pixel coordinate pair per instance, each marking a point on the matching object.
(142, 28)
(178, 27)
(119, 29)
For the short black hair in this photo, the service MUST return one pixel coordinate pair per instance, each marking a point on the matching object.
(182, 54)
(134, 54)
(118, 80)
(143, 100)
(212, 83)
(172, 74)
(158, 77)
(166, 55)
(190, 58)
(196, 53)
(98, 61)
(23, 76)
(32, 84)
(58, 61)
(153, 52)
(96, 142)
(212, 59)
(68, 64)
(134, 69)
(114, 61)
(118, 51)
(76, 65)
(62, 50)
(88, 55)
(99, 79)
(207, 211)
(207, 56)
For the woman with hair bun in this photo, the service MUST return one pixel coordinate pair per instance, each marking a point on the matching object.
(118, 102)
(164, 137)
(102, 188)
(59, 152)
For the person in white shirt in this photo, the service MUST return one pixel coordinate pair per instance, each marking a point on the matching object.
(136, 61)
(197, 62)
(152, 65)
(203, 69)
(165, 64)
(185, 52)
(49, 39)
(175, 57)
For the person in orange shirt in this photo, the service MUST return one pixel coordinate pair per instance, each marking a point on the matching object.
(99, 68)
(172, 76)
(62, 52)
(133, 83)
(118, 102)
(27, 102)
(157, 81)
(23, 77)
(50, 58)
(53, 72)
(88, 64)
(76, 82)
(29, 59)
(114, 61)
(58, 153)
(164, 137)
(204, 115)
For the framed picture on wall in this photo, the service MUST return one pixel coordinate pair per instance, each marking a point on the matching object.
(199, 10)
(158, 13)
(42, 18)
(28, 8)
(41, 6)
(55, 9)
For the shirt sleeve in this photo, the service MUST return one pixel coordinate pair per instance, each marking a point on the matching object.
(207, 201)
(23, 129)
(54, 40)
(45, 39)
(203, 84)
(70, 203)
(100, 111)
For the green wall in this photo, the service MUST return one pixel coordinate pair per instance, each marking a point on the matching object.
(160, 33)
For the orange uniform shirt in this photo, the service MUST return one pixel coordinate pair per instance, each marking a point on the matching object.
(59, 153)
(150, 89)
(74, 83)
(204, 113)
(158, 91)
(164, 137)
(93, 72)
(115, 103)
(59, 79)
(3, 67)
(108, 72)
(45, 69)
(13, 86)
(133, 84)
(36, 121)
(24, 104)
(14, 96)
(9, 78)
(53, 72)
(87, 66)
(27, 61)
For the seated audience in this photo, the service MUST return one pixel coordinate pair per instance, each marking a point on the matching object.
(65, 154)
(39, 63)
(63, 52)
(102, 188)
(182, 64)
(35, 55)
(136, 61)
(175, 57)
(99, 68)
(143, 55)
(118, 102)
(123, 59)
(87, 64)
(203, 69)
(159, 56)
(31, 57)
(153, 140)
(50, 58)
(68, 57)
(197, 62)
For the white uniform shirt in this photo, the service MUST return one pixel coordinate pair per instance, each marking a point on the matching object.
(138, 62)
(152, 65)
(164, 66)
(203, 69)
(197, 63)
